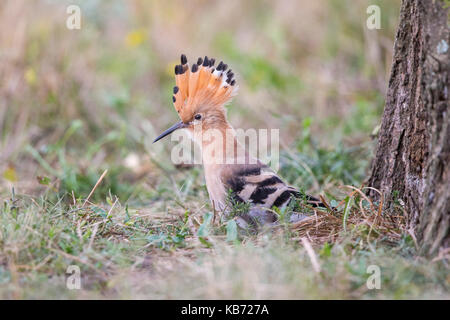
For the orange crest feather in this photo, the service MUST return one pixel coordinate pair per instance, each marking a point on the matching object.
(202, 85)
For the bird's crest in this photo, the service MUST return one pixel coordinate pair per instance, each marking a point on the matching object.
(202, 85)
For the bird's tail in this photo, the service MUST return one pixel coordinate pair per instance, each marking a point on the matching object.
(202, 83)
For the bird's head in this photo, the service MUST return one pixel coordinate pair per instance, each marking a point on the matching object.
(200, 94)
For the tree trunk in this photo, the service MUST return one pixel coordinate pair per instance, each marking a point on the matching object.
(412, 162)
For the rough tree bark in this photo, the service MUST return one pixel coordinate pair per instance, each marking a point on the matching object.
(412, 161)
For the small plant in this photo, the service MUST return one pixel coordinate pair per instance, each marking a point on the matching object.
(235, 207)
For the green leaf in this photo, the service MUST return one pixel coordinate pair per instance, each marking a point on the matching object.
(346, 212)
(205, 242)
(43, 180)
(51, 233)
(232, 233)
(326, 250)
(203, 231)
(127, 214)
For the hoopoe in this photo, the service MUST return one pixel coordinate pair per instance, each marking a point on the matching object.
(199, 97)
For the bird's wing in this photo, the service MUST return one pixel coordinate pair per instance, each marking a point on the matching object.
(259, 185)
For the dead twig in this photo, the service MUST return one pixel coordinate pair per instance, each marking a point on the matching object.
(95, 187)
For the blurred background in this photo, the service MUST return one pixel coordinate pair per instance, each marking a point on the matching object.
(76, 102)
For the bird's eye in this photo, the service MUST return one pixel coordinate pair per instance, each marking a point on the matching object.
(198, 116)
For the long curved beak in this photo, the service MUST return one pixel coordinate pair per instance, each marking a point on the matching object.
(176, 126)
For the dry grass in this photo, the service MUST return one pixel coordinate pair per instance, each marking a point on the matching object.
(329, 225)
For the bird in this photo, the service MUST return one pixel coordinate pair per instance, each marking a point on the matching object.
(200, 95)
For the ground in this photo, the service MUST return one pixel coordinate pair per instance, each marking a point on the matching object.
(82, 185)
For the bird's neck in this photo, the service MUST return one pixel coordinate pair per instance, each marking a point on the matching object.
(220, 147)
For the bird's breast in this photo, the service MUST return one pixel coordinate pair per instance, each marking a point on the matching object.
(215, 186)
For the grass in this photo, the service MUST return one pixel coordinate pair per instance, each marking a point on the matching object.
(77, 104)
(144, 253)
